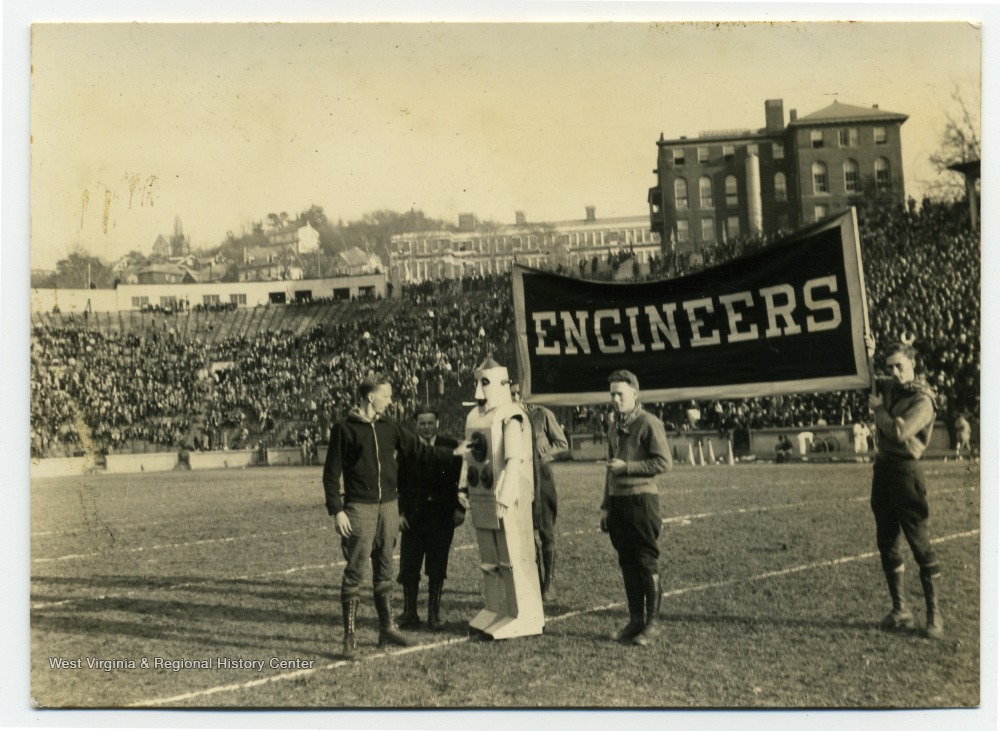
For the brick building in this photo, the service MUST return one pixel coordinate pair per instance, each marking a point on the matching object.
(477, 248)
(725, 184)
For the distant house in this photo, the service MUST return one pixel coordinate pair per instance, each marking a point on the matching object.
(304, 239)
(270, 263)
(163, 274)
(354, 261)
(161, 247)
(283, 236)
(308, 239)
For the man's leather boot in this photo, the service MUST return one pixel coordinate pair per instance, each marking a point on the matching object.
(653, 595)
(634, 596)
(549, 559)
(409, 618)
(434, 591)
(900, 618)
(349, 607)
(935, 622)
(388, 633)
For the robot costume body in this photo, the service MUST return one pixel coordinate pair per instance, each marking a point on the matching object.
(498, 477)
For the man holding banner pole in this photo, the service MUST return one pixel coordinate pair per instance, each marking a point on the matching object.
(904, 407)
(630, 511)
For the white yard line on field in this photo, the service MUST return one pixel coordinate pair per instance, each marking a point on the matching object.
(282, 677)
(248, 536)
(676, 519)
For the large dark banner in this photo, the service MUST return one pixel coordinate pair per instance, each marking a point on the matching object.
(788, 319)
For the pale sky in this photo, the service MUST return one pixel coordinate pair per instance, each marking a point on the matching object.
(134, 124)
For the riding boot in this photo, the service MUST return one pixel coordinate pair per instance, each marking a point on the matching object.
(350, 615)
(900, 617)
(409, 618)
(653, 595)
(434, 590)
(388, 633)
(634, 597)
(549, 560)
(935, 622)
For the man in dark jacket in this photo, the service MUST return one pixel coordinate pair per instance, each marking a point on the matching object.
(429, 512)
(362, 454)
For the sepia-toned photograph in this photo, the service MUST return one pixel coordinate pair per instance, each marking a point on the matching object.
(506, 365)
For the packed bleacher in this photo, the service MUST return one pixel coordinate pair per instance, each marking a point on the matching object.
(281, 374)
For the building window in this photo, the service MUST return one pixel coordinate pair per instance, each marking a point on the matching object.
(820, 211)
(139, 302)
(852, 177)
(880, 138)
(683, 236)
(708, 229)
(678, 156)
(728, 153)
(210, 299)
(705, 192)
(168, 302)
(752, 149)
(778, 151)
(238, 299)
(821, 183)
(816, 137)
(732, 196)
(848, 136)
(681, 194)
(780, 187)
(702, 154)
(883, 183)
(733, 227)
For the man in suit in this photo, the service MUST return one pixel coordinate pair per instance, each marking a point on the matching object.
(429, 512)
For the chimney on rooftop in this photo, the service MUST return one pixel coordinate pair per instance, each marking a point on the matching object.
(591, 213)
(793, 114)
(874, 106)
(774, 115)
(519, 218)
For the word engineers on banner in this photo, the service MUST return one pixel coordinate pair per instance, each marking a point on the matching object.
(789, 318)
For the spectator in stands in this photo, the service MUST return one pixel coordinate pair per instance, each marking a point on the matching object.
(783, 449)
(963, 436)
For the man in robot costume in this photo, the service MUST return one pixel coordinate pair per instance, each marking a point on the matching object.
(498, 482)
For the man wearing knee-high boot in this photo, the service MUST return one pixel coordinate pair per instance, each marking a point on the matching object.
(638, 451)
(429, 512)
(904, 407)
(362, 453)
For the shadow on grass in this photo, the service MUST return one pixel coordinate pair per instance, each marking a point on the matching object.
(223, 615)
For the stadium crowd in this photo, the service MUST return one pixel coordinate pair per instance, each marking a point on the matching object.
(115, 390)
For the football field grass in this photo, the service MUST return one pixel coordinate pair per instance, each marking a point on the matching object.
(773, 590)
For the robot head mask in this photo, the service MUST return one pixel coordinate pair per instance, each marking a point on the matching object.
(492, 385)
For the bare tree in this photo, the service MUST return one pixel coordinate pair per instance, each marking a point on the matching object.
(960, 142)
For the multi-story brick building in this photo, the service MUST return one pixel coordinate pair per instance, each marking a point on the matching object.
(477, 247)
(726, 184)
